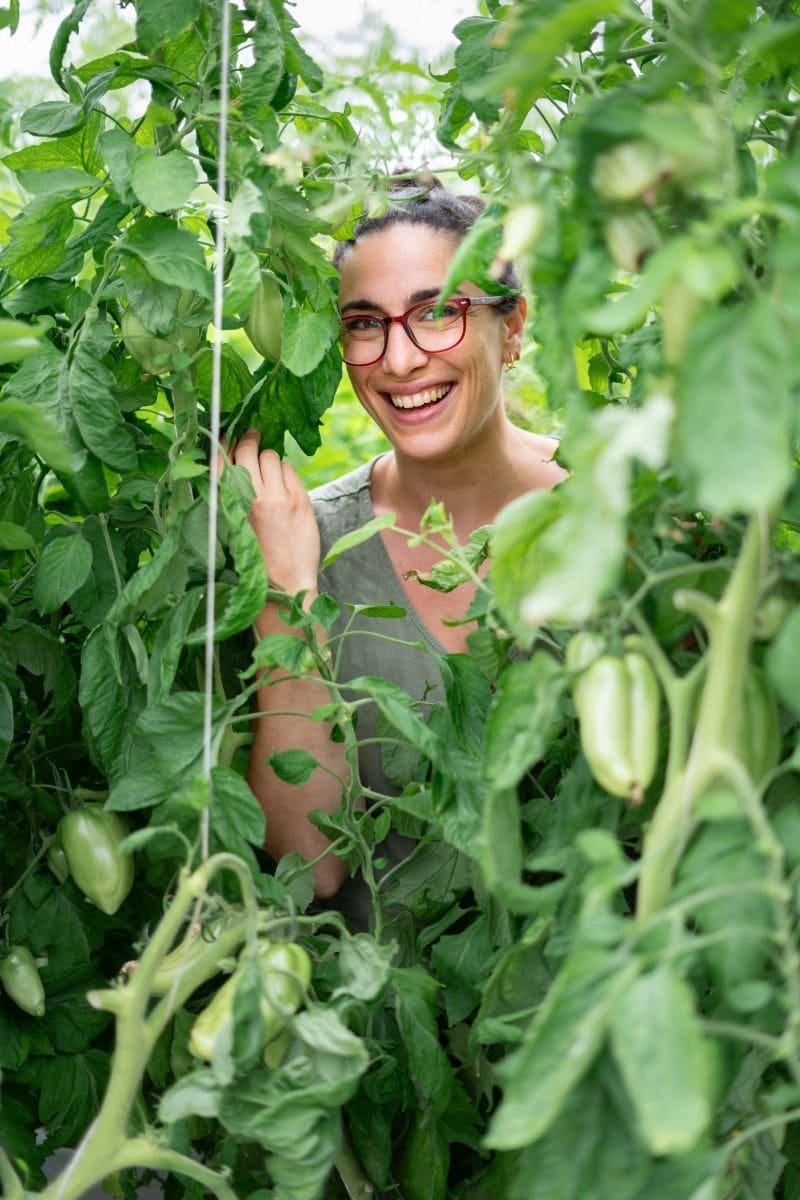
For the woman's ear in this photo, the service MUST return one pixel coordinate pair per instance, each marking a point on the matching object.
(514, 323)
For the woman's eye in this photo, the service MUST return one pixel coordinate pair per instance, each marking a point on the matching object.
(362, 325)
(447, 312)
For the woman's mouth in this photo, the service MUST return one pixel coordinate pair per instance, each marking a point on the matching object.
(420, 399)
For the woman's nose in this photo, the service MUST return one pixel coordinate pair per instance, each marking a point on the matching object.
(401, 355)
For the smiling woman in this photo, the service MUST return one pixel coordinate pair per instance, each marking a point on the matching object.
(431, 379)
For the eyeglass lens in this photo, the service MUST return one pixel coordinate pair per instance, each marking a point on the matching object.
(364, 338)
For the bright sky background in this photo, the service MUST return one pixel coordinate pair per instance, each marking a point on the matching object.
(421, 24)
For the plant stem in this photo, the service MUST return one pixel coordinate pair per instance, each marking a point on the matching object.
(105, 1146)
(729, 623)
(12, 1184)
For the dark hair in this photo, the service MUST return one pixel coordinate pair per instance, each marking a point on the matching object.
(420, 198)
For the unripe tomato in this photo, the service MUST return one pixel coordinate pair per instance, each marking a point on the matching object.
(618, 701)
(57, 862)
(91, 838)
(630, 237)
(286, 970)
(285, 974)
(772, 612)
(522, 229)
(20, 979)
(151, 351)
(759, 740)
(265, 322)
(628, 170)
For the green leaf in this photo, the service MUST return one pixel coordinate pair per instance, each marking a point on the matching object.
(724, 854)
(364, 967)
(109, 702)
(734, 419)
(51, 118)
(400, 710)
(348, 540)
(6, 722)
(58, 49)
(293, 766)
(10, 18)
(431, 1073)
(196, 1094)
(538, 36)
(15, 537)
(162, 182)
(475, 255)
(241, 283)
(556, 553)
(38, 238)
(295, 405)
(658, 1045)
(64, 566)
(501, 856)
(307, 335)
(590, 1152)
(236, 815)
(168, 645)
(559, 1047)
(171, 254)
(97, 415)
(525, 717)
(245, 601)
(157, 23)
(284, 650)
(70, 1089)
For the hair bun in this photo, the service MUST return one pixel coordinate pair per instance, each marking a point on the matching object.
(407, 183)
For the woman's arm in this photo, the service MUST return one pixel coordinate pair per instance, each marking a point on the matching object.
(284, 522)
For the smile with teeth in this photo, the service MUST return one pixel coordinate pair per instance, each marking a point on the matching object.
(420, 399)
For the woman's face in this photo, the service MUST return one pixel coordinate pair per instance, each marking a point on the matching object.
(454, 395)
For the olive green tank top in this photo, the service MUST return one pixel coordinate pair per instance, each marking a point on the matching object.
(398, 648)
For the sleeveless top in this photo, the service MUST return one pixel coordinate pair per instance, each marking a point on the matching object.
(398, 648)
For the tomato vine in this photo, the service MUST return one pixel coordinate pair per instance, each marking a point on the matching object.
(562, 993)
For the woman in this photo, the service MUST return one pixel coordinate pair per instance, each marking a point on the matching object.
(434, 386)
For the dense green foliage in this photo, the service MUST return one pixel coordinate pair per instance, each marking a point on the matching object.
(565, 995)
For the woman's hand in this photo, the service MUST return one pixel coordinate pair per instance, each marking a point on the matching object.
(282, 517)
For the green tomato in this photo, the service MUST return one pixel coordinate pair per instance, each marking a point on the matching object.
(772, 612)
(20, 979)
(618, 705)
(630, 237)
(265, 322)
(285, 974)
(91, 838)
(57, 862)
(759, 740)
(628, 170)
(152, 352)
(217, 1014)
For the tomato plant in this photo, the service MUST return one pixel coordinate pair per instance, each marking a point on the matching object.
(561, 994)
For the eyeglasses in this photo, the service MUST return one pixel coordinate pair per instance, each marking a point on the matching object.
(431, 328)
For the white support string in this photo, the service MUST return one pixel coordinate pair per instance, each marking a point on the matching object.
(216, 388)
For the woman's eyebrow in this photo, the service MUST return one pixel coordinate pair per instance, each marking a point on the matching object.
(370, 305)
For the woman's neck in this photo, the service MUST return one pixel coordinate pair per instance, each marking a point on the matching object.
(473, 487)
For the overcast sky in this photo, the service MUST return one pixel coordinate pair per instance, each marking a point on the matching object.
(422, 24)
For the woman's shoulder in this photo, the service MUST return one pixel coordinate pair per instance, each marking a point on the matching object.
(541, 451)
(349, 487)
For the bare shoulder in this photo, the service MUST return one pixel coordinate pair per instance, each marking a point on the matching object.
(541, 469)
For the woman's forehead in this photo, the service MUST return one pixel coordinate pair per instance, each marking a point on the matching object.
(399, 260)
